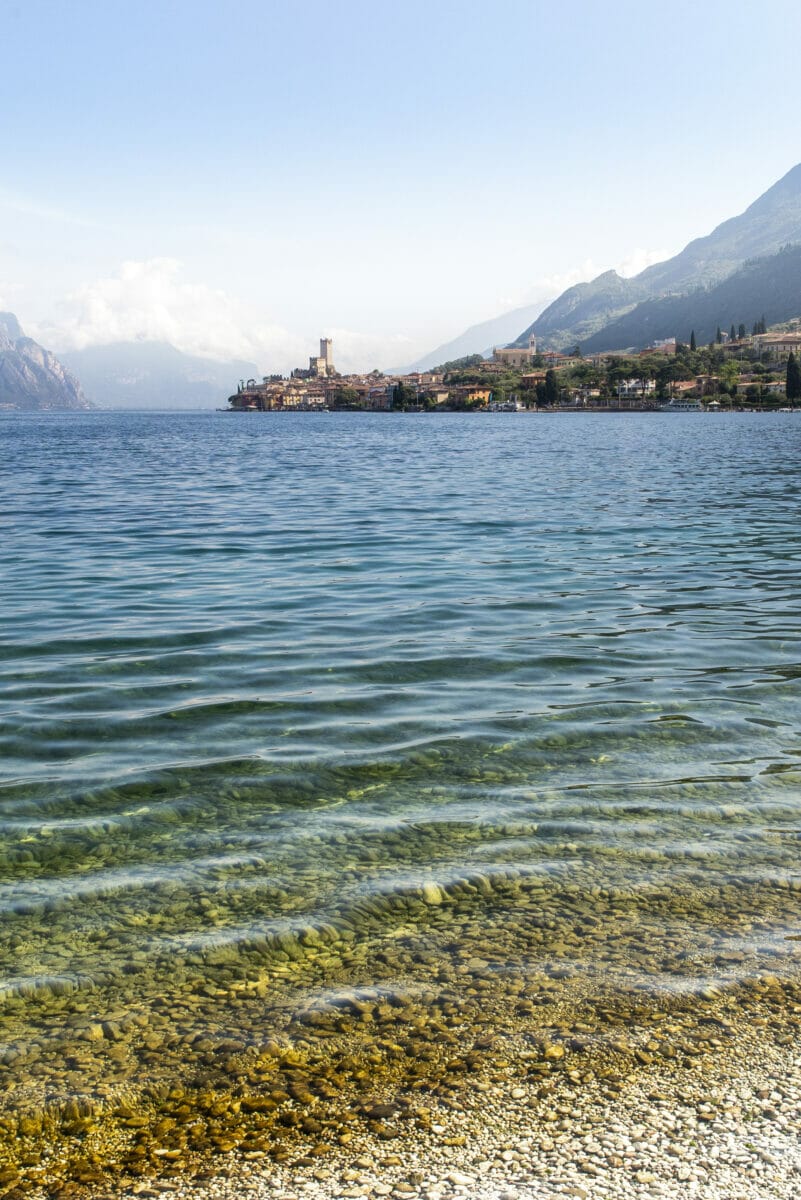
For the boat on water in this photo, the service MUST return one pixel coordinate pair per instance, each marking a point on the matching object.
(680, 406)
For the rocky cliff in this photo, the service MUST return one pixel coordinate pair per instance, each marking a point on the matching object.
(31, 378)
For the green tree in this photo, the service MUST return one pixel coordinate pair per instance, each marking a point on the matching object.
(551, 388)
(345, 397)
(693, 345)
(620, 369)
(793, 379)
(729, 376)
(732, 334)
(719, 335)
(741, 332)
(458, 364)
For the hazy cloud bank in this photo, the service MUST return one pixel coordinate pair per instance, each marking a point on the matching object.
(151, 301)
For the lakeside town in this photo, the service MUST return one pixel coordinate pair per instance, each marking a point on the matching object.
(738, 371)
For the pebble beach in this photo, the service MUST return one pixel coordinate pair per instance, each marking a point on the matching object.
(732, 1136)
(700, 1099)
(726, 1126)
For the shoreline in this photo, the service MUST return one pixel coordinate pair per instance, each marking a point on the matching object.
(553, 410)
(721, 1129)
(598, 1096)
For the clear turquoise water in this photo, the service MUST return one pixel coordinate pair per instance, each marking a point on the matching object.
(268, 677)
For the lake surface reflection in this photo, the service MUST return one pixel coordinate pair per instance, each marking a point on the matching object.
(312, 703)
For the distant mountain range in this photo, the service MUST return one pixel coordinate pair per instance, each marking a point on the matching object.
(479, 339)
(155, 375)
(31, 378)
(667, 298)
(748, 267)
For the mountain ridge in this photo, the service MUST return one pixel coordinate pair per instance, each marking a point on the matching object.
(155, 375)
(481, 338)
(772, 221)
(33, 379)
(769, 286)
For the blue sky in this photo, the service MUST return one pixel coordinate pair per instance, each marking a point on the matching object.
(247, 176)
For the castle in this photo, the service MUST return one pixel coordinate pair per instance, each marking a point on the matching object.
(322, 366)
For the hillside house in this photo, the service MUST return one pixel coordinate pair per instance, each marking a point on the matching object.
(778, 346)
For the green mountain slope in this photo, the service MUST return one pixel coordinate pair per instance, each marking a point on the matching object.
(769, 286)
(582, 309)
(772, 221)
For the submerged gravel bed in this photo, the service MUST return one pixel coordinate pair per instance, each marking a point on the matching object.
(698, 1097)
(728, 1131)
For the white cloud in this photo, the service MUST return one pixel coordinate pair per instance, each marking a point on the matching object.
(639, 259)
(546, 289)
(8, 291)
(151, 301)
(554, 285)
(634, 262)
(364, 351)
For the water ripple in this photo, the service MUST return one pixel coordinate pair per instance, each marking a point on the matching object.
(261, 678)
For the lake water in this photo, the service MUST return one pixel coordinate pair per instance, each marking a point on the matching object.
(297, 706)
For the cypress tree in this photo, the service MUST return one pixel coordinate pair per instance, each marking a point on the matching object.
(551, 388)
(732, 334)
(719, 335)
(793, 379)
(693, 345)
(741, 332)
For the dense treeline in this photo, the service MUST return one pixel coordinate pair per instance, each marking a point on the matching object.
(459, 364)
(737, 372)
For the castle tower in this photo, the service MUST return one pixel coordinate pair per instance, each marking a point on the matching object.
(326, 354)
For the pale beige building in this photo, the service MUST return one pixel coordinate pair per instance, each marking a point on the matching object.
(516, 356)
(778, 345)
